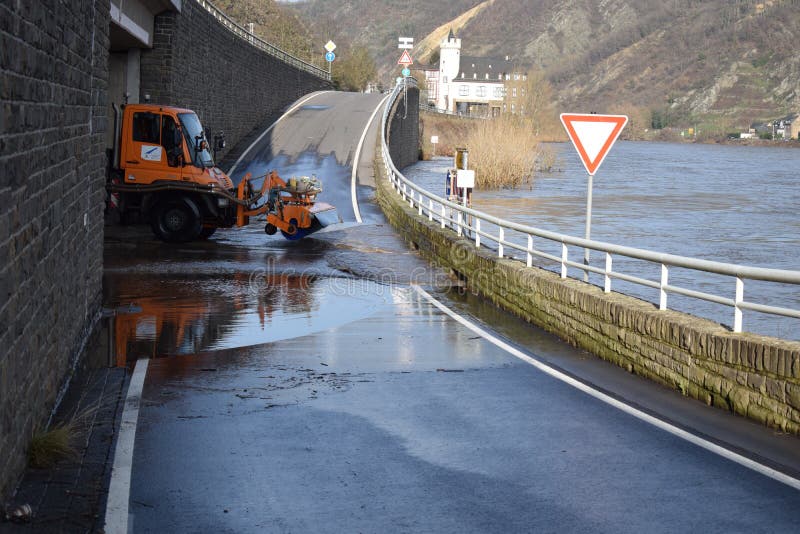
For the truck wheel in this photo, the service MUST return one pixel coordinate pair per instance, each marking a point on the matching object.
(207, 232)
(176, 220)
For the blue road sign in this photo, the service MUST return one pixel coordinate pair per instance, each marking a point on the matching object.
(329, 57)
(405, 72)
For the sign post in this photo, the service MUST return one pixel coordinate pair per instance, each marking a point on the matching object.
(593, 136)
(330, 46)
(434, 140)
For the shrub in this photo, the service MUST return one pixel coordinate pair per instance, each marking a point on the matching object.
(502, 152)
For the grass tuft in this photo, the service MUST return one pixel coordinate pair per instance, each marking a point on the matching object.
(51, 446)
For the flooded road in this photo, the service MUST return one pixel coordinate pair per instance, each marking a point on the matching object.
(308, 386)
(735, 204)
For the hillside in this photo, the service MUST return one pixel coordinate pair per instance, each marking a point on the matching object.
(715, 64)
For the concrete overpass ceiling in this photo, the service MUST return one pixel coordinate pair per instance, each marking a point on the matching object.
(132, 21)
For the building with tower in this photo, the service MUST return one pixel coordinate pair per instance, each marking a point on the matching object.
(469, 85)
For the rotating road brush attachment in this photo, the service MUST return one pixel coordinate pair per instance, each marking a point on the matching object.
(290, 206)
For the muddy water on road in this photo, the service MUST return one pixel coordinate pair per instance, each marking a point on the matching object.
(242, 288)
(171, 315)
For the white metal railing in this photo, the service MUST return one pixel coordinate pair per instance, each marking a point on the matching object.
(467, 221)
(256, 41)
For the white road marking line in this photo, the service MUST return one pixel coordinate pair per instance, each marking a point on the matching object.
(119, 490)
(357, 158)
(265, 132)
(658, 423)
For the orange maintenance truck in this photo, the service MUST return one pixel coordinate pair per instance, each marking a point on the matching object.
(162, 173)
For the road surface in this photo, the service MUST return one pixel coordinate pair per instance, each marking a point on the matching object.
(312, 386)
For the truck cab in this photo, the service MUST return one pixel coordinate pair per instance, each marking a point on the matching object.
(163, 173)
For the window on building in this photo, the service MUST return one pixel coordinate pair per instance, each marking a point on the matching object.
(487, 75)
(463, 90)
(516, 76)
(508, 76)
(513, 108)
(482, 90)
(498, 92)
(524, 77)
(514, 92)
(522, 89)
(474, 75)
(499, 76)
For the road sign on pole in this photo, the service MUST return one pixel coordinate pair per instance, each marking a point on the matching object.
(406, 72)
(330, 56)
(405, 42)
(405, 59)
(330, 46)
(593, 137)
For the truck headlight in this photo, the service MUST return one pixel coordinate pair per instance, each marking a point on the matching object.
(223, 202)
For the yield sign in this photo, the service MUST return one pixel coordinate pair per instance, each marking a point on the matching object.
(405, 59)
(593, 136)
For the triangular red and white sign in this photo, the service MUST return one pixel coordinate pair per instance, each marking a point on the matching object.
(405, 59)
(593, 136)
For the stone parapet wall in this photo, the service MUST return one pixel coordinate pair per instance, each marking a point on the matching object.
(403, 128)
(755, 376)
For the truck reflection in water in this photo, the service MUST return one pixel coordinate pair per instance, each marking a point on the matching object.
(182, 316)
(160, 315)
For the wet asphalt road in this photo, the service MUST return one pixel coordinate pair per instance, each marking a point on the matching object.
(306, 387)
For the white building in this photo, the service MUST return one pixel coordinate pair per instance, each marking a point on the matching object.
(467, 85)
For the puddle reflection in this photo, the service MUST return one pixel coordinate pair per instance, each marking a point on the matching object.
(161, 317)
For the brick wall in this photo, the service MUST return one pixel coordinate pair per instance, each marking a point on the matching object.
(403, 128)
(198, 64)
(755, 376)
(53, 77)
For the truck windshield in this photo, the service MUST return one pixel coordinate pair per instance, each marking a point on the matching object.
(192, 129)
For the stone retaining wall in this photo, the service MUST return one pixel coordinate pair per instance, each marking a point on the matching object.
(755, 376)
(234, 87)
(53, 79)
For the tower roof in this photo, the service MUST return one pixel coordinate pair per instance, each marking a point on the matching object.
(451, 36)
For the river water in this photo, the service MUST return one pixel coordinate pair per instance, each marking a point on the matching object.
(727, 203)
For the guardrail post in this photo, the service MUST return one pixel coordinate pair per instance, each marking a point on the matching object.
(430, 209)
(737, 311)
(411, 199)
(662, 301)
(529, 259)
(419, 204)
(458, 224)
(607, 281)
(501, 237)
(478, 233)
(444, 212)
(564, 258)
(404, 192)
